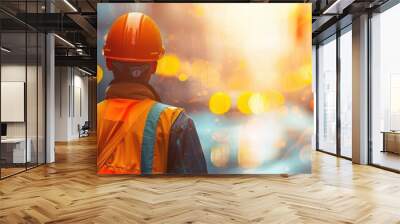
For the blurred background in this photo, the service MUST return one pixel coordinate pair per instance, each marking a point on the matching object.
(241, 71)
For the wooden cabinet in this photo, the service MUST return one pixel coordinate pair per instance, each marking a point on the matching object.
(391, 142)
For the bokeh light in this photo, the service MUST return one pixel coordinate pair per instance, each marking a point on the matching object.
(243, 103)
(220, 103)
(99, 74)
(220, 155)
(198, 10)
(169, 65)
(183, 77)
(298, 79)
(311, 104)
(275, 99)
(258, 103)
(248, 156)
(256, 143)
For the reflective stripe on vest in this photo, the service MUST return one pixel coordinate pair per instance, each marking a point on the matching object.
(149, 137)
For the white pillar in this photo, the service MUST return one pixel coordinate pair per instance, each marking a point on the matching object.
(360, 89)
(50, 92)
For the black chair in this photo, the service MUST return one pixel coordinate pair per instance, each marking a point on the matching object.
(84, 130)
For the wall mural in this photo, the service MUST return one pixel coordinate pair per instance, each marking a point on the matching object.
(216, 88)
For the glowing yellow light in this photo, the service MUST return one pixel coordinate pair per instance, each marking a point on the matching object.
(258, 103)
(220, 155)
(242, 64)
(219, 103)
(182, 77)
(168, 65)
(243, 103)
(305, 73)
(298, 79)
(198, 11)
(99, 74)
(275, 99)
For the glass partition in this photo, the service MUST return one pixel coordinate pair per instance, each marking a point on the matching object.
(31, 98)
(14, 153)
(41, 86)
(22, 90)
(327, 97)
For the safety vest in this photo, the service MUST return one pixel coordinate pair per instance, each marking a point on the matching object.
(133, 136)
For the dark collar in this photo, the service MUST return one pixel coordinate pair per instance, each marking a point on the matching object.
(131, 90)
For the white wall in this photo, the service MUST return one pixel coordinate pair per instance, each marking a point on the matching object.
(71, 94)
(61, 103)
(80, 110)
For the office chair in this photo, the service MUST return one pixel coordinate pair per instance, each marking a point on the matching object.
(84, 130)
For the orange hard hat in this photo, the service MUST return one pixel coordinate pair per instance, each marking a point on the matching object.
(133, 37)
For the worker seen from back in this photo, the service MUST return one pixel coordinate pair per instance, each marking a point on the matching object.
(137, 134)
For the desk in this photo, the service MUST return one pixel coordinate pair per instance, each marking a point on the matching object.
(13, 150)
(391, 141)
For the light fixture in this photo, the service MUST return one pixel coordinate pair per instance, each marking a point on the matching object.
(70, 5)
(5, 50)
(64, 40)
(84, 71)
(79, 51)
(337, 7)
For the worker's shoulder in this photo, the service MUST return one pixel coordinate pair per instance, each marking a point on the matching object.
(170, 111)
(100, 105)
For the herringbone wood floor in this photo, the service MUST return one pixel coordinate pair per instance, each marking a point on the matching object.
(69, 191)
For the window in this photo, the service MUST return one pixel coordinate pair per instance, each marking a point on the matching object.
(346, 93)
(327, 96)
(385, 89)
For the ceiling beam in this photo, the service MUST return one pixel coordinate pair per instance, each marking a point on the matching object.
(84, 24)
(81, 61)
(337, 7)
